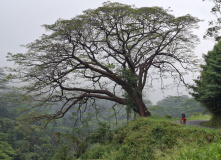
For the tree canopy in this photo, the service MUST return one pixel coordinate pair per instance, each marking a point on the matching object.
(208, 89)
(111, 53)
(2, 82)
(214, 29)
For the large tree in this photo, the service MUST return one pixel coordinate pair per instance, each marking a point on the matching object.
(111, 53)
(208, 86)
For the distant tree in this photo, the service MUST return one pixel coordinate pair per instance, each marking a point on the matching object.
(109, 53)
(6, 150)
(2, 82)
(170, 105)
(191, 107)
(171, 101)
(208, 86)
(175, 105)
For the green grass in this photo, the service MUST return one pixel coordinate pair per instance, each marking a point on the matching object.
(157, 138)
(207, 152)
(200, 117)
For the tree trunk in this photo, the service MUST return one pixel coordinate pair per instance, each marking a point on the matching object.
(141, 107)
(216, 120)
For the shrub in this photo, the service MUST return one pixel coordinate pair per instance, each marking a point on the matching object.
(168, 116)
(95, 152)
(102, 134)
(196, 114)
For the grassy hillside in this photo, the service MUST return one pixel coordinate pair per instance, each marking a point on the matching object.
(151, 138)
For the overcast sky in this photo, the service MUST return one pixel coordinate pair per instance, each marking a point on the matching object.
(21, 20)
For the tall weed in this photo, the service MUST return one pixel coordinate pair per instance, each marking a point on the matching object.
(206, 152)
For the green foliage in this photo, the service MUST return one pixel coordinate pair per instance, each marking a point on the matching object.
(21, 141)
(60, 140)
(131, 79)
(62, 153)
(207, 152)
(6, 150)
(206, 116)
(102, 134)
(96, 152)
(70, 146)
(208, 89)
(168, 116)
(128, 76)
(196, 114)
(2, 81)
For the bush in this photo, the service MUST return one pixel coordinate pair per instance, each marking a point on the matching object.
(102, 134)
(95, 152)
(168, 116)
(196, 114)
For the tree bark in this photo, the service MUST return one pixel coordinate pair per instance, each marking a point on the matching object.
(141, 107)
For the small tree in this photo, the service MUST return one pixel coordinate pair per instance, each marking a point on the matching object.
(208, 86)
(110, 53)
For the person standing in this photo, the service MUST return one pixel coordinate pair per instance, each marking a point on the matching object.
(183, 116)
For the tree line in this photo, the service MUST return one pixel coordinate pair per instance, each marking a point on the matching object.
(70, 137)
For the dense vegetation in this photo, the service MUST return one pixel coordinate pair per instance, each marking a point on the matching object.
(90, 138)
(151, 138)
(62, 139)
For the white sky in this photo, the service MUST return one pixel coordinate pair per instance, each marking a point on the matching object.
(21, 20)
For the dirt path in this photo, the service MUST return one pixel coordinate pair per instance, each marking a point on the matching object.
(194, 122)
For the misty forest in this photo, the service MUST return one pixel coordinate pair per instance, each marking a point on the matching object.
(81, 90)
